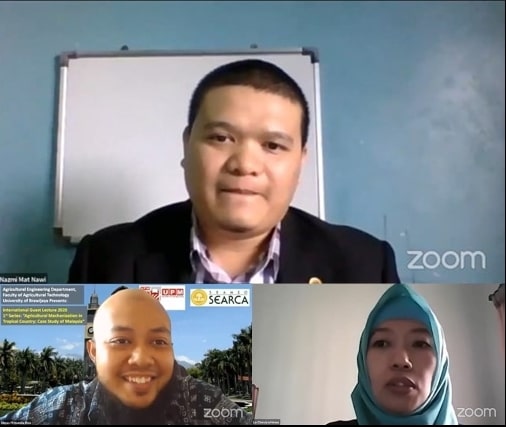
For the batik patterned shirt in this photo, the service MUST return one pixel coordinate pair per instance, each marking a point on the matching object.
(193, 402)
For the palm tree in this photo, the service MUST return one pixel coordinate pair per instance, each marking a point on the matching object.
(210, 367)
(75, 369)
(225, 368)
(48, 364)
(26, 364)
(230, 364)
(6, 358)
(242, 349)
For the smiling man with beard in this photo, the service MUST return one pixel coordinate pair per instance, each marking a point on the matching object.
(138, 380)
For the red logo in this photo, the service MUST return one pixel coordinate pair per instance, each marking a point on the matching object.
(172, 292)
(154, 292)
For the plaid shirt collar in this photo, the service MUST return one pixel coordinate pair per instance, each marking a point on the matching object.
(206, 271)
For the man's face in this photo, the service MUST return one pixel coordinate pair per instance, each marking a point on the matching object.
(243, 159)
(132, 352)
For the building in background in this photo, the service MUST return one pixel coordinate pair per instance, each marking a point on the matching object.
(89, 366)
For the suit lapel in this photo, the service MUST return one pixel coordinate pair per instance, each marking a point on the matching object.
(168, 260)
(304, 254)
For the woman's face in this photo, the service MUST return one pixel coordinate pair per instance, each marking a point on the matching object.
(401, 362)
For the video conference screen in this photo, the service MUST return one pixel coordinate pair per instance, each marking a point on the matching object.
(280, 354)
(45, 329)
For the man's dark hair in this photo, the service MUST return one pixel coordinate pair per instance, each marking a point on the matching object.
(257, 74)
(121, 288)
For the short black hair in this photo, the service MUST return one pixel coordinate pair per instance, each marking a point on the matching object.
(255, 73)
(121, 288)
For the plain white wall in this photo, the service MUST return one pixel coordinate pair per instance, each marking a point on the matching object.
(133, 110)
(305, 342)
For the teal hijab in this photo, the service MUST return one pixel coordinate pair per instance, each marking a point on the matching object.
(401, 302)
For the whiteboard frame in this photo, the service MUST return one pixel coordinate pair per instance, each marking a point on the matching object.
(65, 58)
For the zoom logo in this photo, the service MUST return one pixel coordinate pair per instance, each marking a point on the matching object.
(450, 260)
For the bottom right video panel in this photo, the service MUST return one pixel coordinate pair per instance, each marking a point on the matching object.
(352, 354)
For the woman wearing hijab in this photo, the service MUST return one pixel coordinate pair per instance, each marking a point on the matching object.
(403, 376)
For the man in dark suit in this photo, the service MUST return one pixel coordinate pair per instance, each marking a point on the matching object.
(244, 147)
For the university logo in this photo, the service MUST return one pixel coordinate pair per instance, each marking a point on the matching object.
(220, 298)
(198, 297)
(172, 292)
(154, 291)
(171, 297)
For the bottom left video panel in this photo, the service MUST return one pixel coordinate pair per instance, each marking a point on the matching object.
(110, 354)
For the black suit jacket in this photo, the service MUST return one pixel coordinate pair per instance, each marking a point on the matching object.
(156, 248)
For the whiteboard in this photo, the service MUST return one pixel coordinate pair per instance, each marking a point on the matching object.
(121, 116)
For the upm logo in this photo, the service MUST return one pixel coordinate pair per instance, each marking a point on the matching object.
(220, 298)
(172, 292)
(172, 297)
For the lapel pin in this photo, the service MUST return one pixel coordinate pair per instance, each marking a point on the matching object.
(315, 281)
